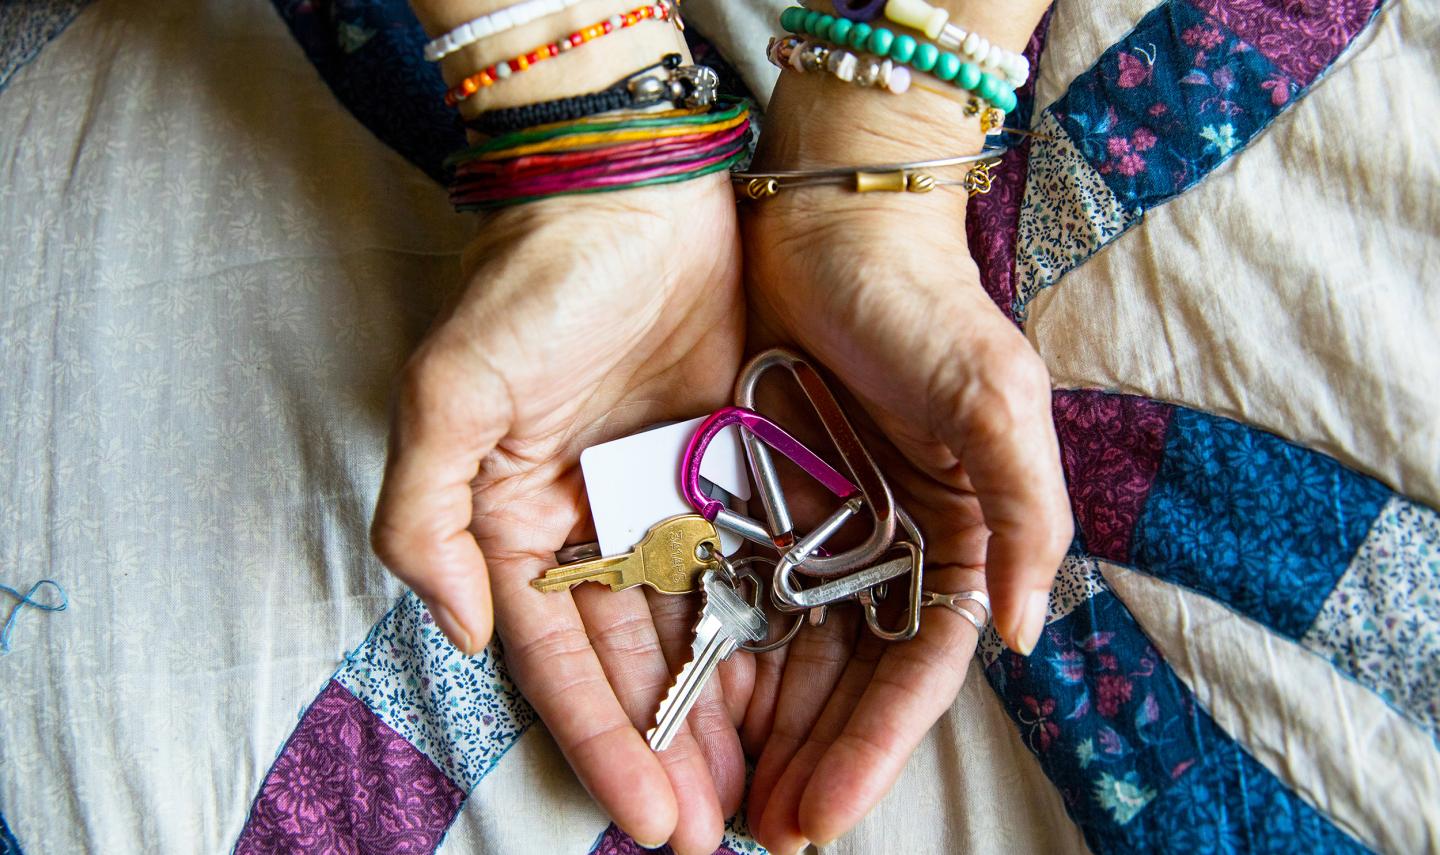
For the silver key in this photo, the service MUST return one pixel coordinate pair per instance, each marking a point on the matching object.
(726, 622)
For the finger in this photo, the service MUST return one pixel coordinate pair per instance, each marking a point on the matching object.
(815, 662)
(760, 713)
(709, 722)
(781, 824)
(554, 664)
(914, 683)
(421, 529)
(1004, 435)
(625, 639)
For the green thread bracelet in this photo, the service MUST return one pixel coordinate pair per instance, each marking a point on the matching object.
(906, 50)
(519, 138)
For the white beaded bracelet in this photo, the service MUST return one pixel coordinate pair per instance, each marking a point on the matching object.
(492, 24)
(934, 22)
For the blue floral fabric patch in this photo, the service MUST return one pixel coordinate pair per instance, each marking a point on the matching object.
(1170, 102)
(463, 713)
(1261, 524)
(1140, 766)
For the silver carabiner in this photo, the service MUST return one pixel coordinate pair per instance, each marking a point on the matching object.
(874, 490)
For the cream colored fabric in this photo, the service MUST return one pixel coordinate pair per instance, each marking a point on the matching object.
(1333, 741)
(208, 275)
(1295, 288)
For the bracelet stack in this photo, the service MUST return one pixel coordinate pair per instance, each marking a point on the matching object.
(661, 124)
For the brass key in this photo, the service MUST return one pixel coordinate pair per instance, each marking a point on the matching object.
(670, 558)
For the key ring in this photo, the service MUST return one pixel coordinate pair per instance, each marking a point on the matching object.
(735, 571)
(872, 485)
(952, 602)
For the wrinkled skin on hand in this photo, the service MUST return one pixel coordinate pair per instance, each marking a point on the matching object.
(582, 320)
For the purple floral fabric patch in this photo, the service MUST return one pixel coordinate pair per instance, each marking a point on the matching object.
(347, 783)
(1301, 37)
(1111, 447)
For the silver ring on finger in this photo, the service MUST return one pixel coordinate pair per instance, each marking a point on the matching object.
(953, 603)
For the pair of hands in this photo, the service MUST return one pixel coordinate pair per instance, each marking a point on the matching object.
(589, 318)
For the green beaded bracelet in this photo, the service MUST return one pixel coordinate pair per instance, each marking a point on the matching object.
(903, 49)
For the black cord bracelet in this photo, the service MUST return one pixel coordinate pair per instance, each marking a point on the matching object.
(684, 86)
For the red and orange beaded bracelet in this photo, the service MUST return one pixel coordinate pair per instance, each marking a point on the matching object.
(661, 10)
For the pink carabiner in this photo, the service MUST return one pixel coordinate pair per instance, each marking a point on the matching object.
(773, 435)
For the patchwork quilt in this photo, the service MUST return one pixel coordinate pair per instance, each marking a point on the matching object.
(220, 233)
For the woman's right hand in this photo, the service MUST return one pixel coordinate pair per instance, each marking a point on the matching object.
(584, 319)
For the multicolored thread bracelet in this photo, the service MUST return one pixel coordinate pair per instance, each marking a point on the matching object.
(887, 178)
(661, 10)
(921, 56)
(471, 32)
(595, 156)
(691, 86)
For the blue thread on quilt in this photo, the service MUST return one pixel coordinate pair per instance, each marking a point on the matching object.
(1140, 766)
(1265, 526)
(27, 600)
(26, 27)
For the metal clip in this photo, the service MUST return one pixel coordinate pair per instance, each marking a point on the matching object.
(765, 434)
(873, 489)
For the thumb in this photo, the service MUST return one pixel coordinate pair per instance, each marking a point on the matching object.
(445, 420)
(996, 419)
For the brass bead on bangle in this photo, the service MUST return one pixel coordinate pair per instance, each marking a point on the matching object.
(919, 182)
(762, 188)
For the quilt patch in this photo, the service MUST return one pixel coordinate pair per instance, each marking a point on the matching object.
(462, 713)
(346, 782)
(1169, 103)
(25, 28)
(1076, 582)
(991, 217)
(1140, 766)
(1069, 212)
(1301, 39)
(1110, 447)
(1381, 623)
(1259, 523)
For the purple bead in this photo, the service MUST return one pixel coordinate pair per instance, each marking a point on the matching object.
(859, 10)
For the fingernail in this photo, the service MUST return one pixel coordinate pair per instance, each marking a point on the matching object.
(1032, 621)
(453, 629)
(644, 845)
